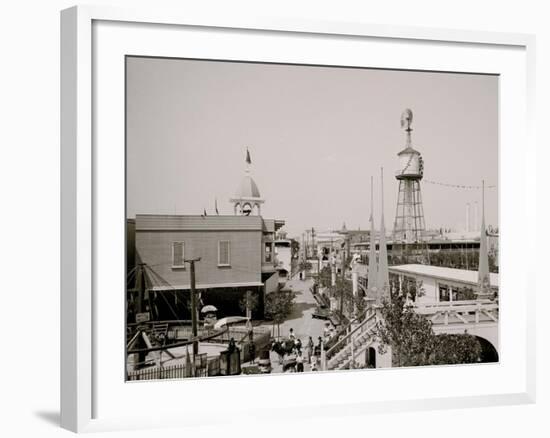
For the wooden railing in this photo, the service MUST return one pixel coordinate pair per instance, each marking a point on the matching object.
(369, 317)
(466, 312)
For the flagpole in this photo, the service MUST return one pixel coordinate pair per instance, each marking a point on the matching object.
(383, 282)
(373, 266)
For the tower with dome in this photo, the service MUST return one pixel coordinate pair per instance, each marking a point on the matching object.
(247, 200)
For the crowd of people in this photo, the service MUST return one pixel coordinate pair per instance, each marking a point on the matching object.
(293, 354)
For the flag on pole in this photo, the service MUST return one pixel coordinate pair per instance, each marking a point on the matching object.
(248, 160)
(216, 206)
(204, 213)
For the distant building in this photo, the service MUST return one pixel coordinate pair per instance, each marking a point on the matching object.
(283, 253)
(452, 249)
(440, 284)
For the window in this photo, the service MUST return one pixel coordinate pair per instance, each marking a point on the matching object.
(268, 257)
(224, 253)
(178, 254)
(444, 293)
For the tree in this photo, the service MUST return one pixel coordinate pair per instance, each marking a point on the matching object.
(452, 349)
(324, 278)
(278, 305)
(304, 265)
(249, 300)
(413, 341)
(353, 305)
(409, 334)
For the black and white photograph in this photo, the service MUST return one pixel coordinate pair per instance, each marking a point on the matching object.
(287, 218)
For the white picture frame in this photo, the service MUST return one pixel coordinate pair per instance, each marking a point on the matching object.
(83, 368)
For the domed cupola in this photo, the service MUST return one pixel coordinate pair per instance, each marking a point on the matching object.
(247, 200)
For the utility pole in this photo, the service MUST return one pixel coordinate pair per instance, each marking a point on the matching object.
(343, 284)
(140, 286)
(312, 242)
(248, 304)
(194, 321)
(316, 254)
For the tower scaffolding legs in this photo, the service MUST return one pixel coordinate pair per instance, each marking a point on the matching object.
(409, 226)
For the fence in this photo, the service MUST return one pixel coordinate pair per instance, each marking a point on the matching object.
(204, 367)
(157, 373)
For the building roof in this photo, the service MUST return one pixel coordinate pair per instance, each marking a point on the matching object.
(166, 222)
(408, 150)
(247, 188)
(155, 222)
(443, 273)
(463, 235)
(272, 225)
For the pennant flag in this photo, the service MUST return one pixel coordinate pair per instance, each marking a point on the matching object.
(248, 160)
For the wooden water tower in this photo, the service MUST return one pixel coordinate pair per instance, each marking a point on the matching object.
(409, 225)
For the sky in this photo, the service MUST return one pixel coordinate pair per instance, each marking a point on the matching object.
(316, 135)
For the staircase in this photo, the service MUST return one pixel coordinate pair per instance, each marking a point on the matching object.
(339, 356)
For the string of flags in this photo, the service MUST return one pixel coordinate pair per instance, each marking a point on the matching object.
(457, 186)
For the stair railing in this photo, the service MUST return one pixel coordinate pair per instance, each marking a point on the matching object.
(370, 316)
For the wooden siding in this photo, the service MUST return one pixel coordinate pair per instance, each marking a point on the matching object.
(155, 249)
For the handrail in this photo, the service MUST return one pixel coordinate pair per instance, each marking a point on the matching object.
(456, 303)
(179, 344)
(345, 328)
(345, 338)
(168, 321)
(466, 308)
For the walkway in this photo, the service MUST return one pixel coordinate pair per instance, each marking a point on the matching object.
(300, 320)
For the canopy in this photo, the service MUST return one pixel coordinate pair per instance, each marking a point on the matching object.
(229, 320)
(209, 308)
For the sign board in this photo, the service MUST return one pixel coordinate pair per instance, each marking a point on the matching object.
(142, 317)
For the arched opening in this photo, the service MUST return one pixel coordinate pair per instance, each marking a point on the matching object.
(370, 357)
(247, 209)
(488, 352)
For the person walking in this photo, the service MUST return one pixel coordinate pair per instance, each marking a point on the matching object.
(299, 362)
(310, 347)
(298, 345)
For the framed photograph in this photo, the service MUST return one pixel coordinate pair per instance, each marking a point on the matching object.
(261, 206)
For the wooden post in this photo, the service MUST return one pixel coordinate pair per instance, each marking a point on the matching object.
(352, 360)
(248, 304)
(140, 283)
(342, 290)
(194, 322)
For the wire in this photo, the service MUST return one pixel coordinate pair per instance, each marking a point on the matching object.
(458, 186)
